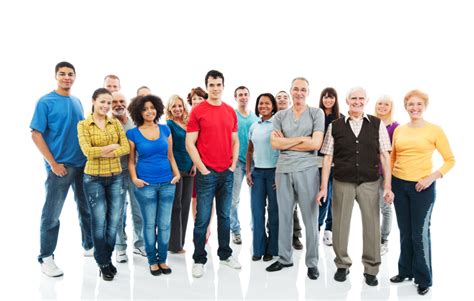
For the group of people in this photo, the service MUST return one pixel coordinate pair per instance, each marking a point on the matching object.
(289, 153)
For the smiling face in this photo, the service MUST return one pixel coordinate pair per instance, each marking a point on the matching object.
(265, 107)
(299, 92)
(65, 78)
(177, 109)
(196, 99)
(356, 102)
(415, 106)
(119, 104)
(102, 104)
(328, 102)
(283, 100)
(148, 112)
(112, 84)
(242, 98)
(215, 87)
(383, 108)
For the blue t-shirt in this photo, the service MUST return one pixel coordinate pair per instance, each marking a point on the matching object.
(244, 124)
(56, 117)
(179, 147)
(264, 156)
(153, 165)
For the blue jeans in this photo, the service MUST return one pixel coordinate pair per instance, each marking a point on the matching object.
(326, 207)
(218, 185)
(121, 243)
(414, 218)
(56, 193)
(386, 211)
(239, 175)
(263, 188)
(105, 199)
(156, 204)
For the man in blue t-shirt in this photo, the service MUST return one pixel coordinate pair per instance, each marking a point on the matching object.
(54, 131)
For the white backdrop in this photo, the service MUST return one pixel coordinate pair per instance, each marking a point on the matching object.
(388, 47)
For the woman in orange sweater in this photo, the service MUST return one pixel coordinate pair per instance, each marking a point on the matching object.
(413, 183)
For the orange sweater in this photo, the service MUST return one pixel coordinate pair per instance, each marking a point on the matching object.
(412, 151)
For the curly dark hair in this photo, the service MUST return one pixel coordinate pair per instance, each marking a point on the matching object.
(136, 108)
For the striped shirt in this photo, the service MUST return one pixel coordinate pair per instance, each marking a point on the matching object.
(92, 139)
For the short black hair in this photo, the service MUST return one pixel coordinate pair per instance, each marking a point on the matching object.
(240, 88)
(214, 74)
(272, 99)
(64, 64)
(136, 107)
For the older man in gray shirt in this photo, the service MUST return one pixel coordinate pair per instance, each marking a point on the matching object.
(298, 134)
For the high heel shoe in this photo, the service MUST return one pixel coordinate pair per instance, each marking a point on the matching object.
(399, 278)
(106, 273)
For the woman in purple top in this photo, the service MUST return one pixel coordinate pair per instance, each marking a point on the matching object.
(384, 111)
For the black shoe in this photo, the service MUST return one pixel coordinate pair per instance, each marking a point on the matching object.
(313, 273)
(267, 257)
(106, 273)
(113, 268)
(165, 271)
(155, 272)
(371, 279)
(297, 243)
(341, 274)
(276, 266)
(398, 279)
(256, 258)
(422, 290)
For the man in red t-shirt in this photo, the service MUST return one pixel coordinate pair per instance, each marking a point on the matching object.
(213, 145)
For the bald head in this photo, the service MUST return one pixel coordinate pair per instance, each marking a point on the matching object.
(119, 104)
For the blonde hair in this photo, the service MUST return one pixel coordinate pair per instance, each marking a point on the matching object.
(171, 101)
(423, 96)
(385, 98)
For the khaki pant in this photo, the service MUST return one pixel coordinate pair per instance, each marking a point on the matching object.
(366, 194)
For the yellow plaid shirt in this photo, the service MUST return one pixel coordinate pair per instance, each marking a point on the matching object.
(92, 139)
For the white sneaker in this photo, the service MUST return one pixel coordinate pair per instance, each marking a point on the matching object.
(327, 238)
(89, 253)
(121, 256)
(139, 251)
(198, 270)
(49, 267)
(232, 263)
(384, 248)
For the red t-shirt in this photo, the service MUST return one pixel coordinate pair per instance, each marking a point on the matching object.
(215, 125)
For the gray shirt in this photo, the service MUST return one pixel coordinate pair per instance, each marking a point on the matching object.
(310, 121)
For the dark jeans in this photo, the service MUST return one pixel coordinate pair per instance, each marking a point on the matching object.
(414, 218)
(263, 188)
(180, 214)
(105, 199)
(56, 193)
(218, 185)
(326, 207)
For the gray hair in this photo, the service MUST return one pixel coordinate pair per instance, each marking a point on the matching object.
(356, 89)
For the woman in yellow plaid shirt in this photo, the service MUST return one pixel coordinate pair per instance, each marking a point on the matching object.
(103, 141)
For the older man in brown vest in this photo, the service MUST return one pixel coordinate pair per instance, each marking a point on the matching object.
(357, 144)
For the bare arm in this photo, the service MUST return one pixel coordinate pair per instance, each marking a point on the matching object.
(174, 166)
(235, 150)
(314, 143)
(57, 168)
(326, 170)
(248, 164)
(387, 177)
(278, 141)
(191, 148)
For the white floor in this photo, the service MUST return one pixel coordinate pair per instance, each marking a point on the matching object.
(23, 280)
